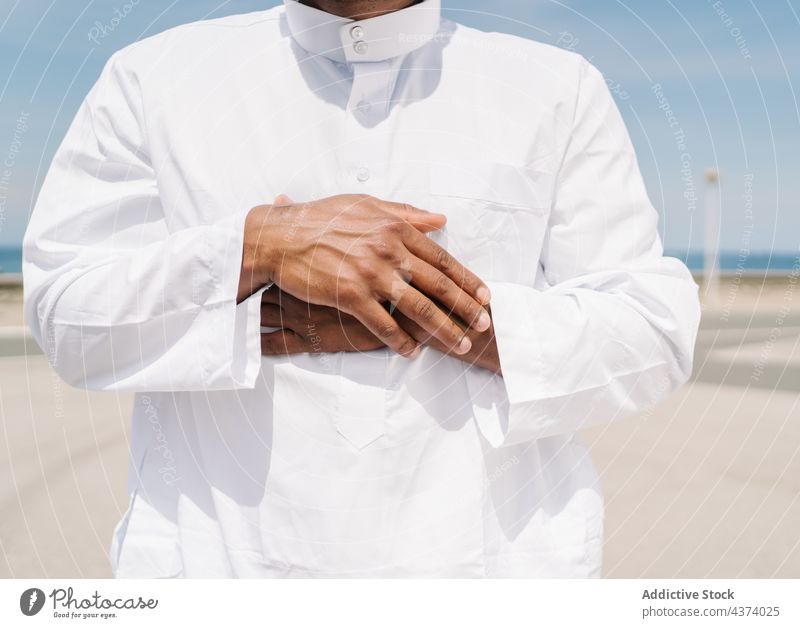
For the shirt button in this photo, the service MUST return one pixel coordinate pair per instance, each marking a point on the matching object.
(356, 32)
(363, 174)
(361, 47)
(363, 107)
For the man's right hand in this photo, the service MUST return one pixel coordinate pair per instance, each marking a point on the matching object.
(356, 253)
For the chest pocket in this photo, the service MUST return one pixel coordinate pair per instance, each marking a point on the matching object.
(496, 218)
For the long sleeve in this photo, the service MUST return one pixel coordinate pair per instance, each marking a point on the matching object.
(117, 296)
(610, 327)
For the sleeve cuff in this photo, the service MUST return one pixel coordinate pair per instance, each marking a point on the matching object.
(518, 348)
(518, 342)
(234, 347)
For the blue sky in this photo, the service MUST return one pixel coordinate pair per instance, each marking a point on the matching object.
(730, 71)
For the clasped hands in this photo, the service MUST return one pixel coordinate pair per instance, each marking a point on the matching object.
(354, 273)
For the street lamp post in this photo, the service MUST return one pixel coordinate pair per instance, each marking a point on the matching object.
(713, 208)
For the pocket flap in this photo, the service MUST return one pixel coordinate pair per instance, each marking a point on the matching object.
(499, 184)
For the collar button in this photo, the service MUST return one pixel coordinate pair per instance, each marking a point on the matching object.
(357, 32)
(361, 47)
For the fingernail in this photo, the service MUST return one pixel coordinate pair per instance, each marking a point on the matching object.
(484, 322)
(415, 353)
(464, 346)
(484, 295)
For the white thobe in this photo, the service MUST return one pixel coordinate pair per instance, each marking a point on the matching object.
(357, 464)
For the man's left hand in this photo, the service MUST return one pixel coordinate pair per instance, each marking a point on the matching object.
(305, 328)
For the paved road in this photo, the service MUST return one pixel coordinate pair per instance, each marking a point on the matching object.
(63, 469)
(706, 485)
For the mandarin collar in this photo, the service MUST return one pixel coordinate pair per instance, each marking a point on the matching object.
(373, 39)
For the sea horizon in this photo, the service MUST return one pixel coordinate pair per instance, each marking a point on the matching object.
(11, 260)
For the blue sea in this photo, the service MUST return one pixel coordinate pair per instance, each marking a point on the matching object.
(733, 260)
(11, 260)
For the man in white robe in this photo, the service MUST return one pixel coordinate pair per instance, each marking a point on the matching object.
(329, 380)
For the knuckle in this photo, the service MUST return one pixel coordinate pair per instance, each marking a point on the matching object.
(349, 295)
(441, 285)
(473, 311)
(368, 272)
(354, 202)
(466, 306)
(407, 346)
(469, 281)
(382, 249)
(443, 259)
(424, 309)
(408, 210)
(448, 333)
(393, 226)
(387, 330)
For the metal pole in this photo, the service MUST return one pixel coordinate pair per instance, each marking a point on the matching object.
(713, 204)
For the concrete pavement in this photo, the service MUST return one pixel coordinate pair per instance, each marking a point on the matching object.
(707, 484)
